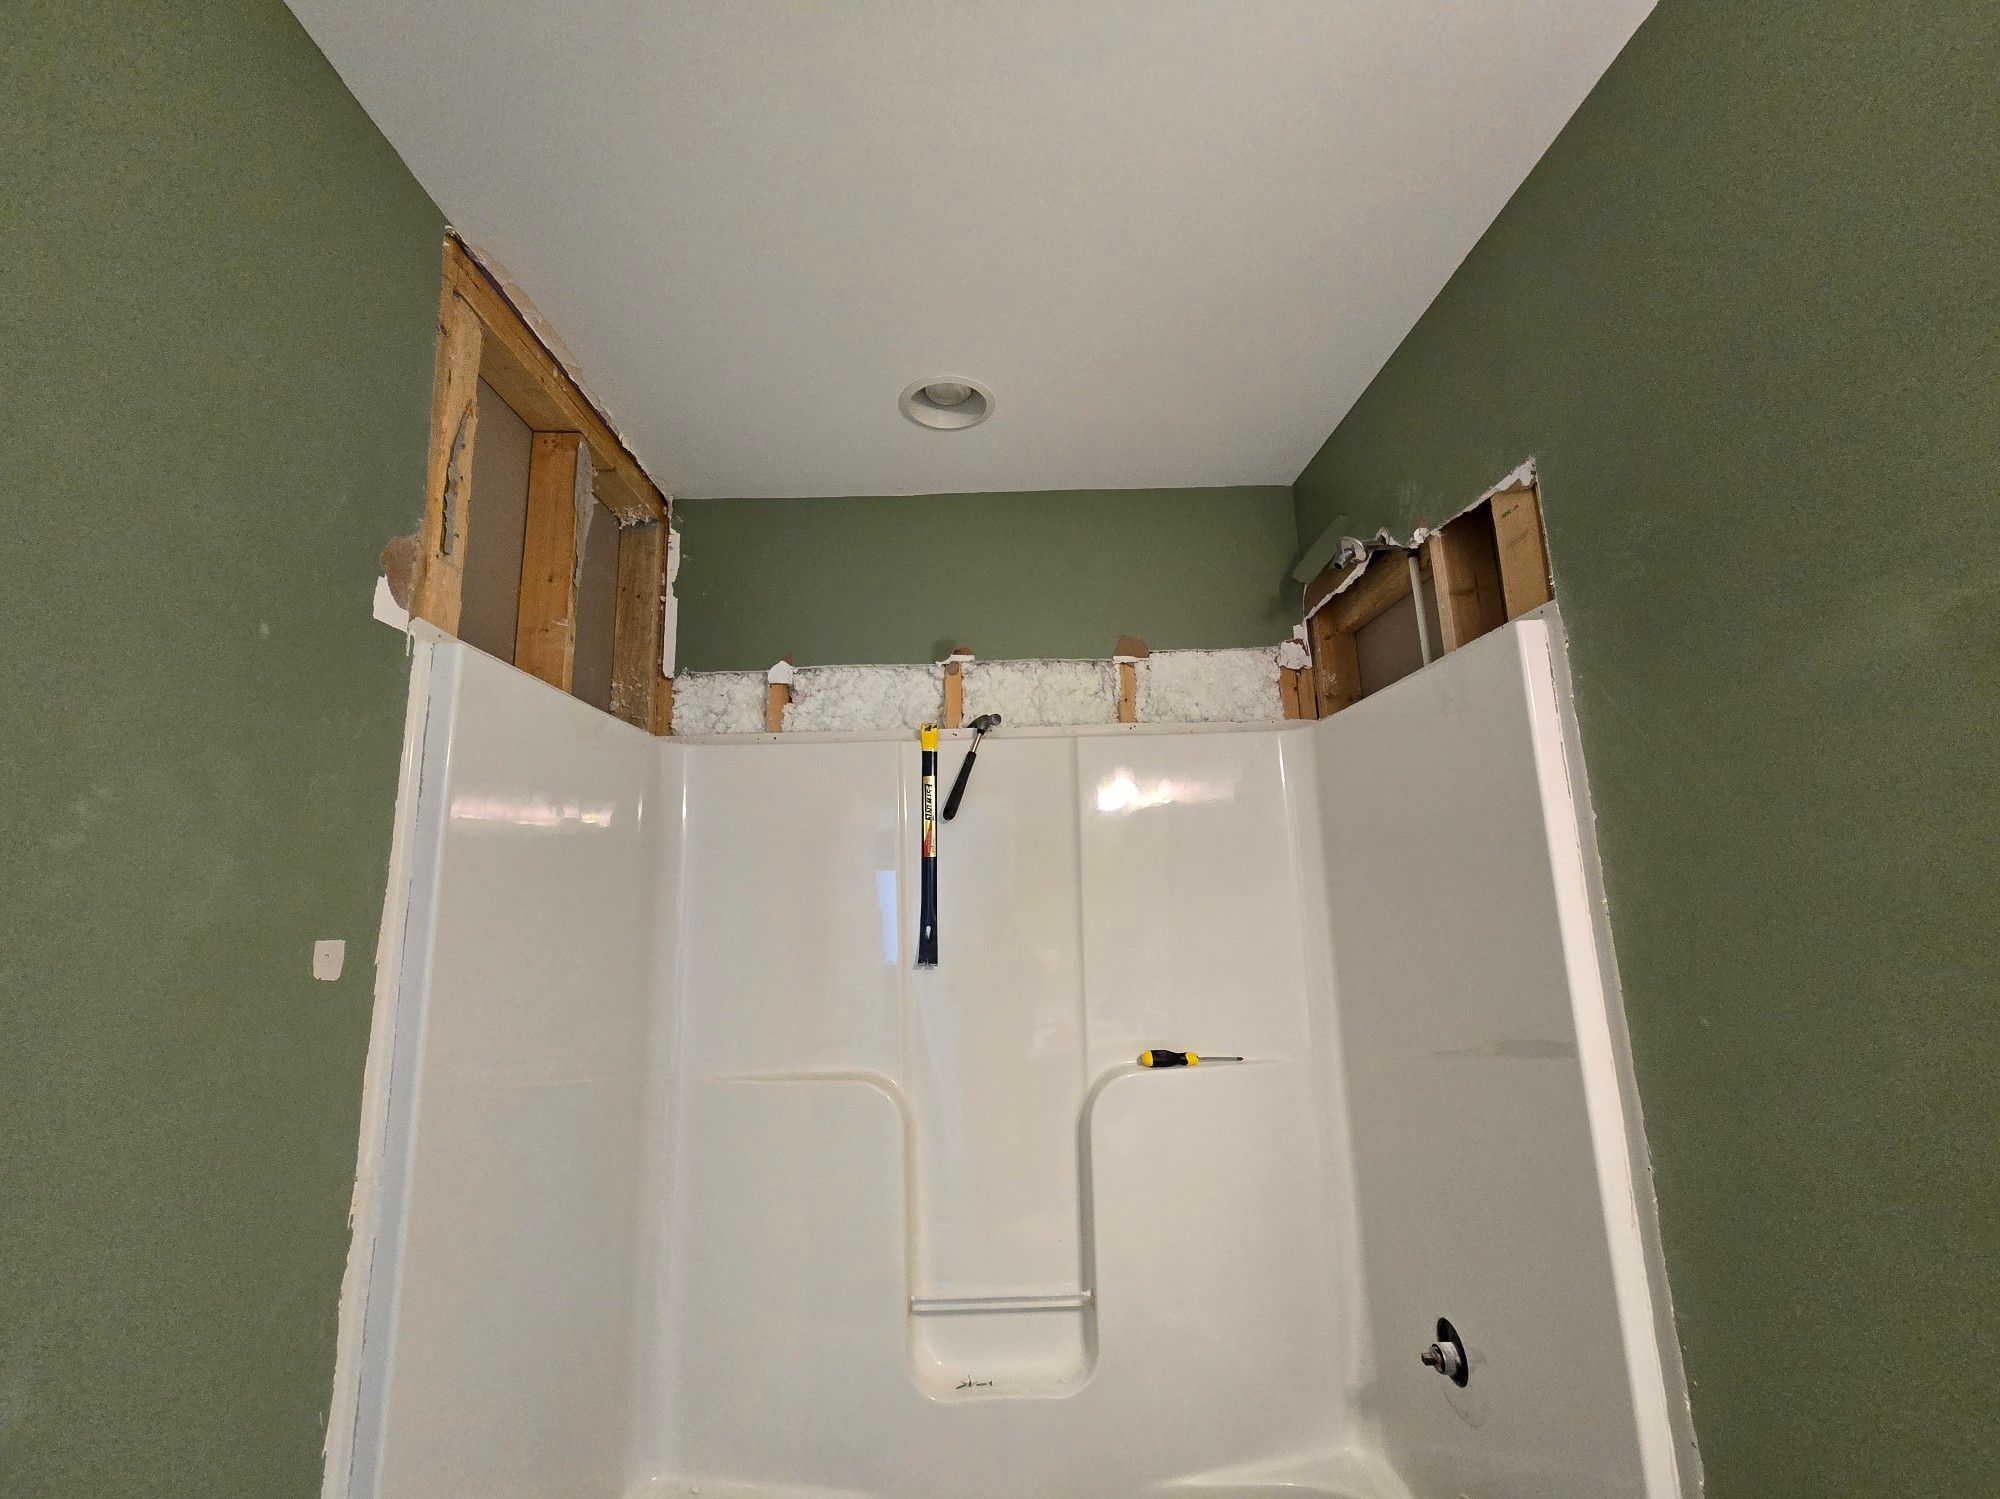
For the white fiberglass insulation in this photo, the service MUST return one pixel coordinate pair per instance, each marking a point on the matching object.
(1030, 693)
(719, 702)
(1233, 686)
(1210, 686)
(858, 699)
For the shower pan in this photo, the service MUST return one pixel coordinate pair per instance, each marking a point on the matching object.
(678, 1175)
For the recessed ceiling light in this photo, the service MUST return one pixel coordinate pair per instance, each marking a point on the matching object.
(946, 402)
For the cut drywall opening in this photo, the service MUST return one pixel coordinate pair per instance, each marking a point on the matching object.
(1385, 608)
(490, 602)
(1228, 686)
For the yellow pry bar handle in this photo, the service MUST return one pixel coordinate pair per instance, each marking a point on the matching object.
(1158, 1058)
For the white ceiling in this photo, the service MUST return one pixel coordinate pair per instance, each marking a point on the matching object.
(1176, 237)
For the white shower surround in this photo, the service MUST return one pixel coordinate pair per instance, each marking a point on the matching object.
(687, 1179)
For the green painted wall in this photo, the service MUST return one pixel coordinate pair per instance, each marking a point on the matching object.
(1041, 573)
(220, 305)
(1744, 315)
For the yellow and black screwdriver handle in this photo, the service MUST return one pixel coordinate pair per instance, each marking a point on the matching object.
(1158, 1058)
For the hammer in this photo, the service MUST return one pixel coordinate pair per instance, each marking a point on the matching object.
(980, 725)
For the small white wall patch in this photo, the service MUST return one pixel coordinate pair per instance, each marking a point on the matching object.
(329, 957)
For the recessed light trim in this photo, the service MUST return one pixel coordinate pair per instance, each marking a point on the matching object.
(946, 403)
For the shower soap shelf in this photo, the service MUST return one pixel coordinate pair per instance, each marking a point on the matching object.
(1054, 1301)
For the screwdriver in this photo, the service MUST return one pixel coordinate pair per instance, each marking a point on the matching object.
(1178, 1059)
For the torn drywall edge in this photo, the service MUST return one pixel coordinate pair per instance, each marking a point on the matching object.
(1226, 686)
(1293, 656)
(780, 673)
(670, 607)
(387, 609)
(1359, 552)
(670, 632)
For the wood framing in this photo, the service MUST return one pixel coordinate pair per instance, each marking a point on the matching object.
(442, 539)
(577, 459)
(1484, 567)
(1465, 567)
(1295, 693)
(526, 374)
(954, 693)
(663, 706)
(1128, 676)
(1336, 661)
(777, 696)
(545, 629)
(635, 638)
(1524, 552)
(1384, 582)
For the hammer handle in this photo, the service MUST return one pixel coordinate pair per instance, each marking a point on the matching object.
(958, 785)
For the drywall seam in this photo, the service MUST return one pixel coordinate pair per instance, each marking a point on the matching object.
(364, 1215)
(1658, 1388)
(1362, 551)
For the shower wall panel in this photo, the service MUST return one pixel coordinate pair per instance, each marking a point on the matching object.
(502, 1340)
(1462, 986)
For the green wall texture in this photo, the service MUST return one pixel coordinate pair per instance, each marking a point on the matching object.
(1039, 573)
(1743, 314)
(220, 306)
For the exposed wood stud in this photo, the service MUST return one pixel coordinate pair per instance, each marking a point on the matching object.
(1524, 556)
(1382, 585)
(1290, 681)
(545, 633)
(776, 696)
(1336, 664)
(1128, 676)
(635, 640)
(1482, 568)
(663, 706)
(1465, 576)
(954, 693)
(448, 480)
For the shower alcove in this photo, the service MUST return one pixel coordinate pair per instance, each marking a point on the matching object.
(680, 1178)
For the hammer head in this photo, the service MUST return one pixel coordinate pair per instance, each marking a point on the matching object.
(984, 722)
